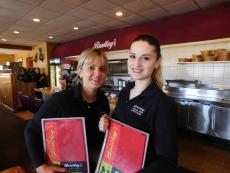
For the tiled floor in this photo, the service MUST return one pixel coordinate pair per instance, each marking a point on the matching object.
(198, 153)
(203, 154)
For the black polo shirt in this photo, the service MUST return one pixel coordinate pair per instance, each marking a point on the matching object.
(153, 112)
(68, 103)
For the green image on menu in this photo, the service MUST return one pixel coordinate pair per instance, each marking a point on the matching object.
(105, 167)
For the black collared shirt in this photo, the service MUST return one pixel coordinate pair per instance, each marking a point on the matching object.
(68, 103)
(153, 112)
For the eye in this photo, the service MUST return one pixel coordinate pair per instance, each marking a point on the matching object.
(146, 58)
(92, 68)
(102, 69)
(132, 56)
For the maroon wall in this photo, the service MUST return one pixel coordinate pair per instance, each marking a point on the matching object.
(200, 25)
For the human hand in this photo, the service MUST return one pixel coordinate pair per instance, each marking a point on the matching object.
(104, 123)
(49, 169)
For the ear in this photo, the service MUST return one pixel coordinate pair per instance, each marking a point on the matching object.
(157, 64)
(78, 70)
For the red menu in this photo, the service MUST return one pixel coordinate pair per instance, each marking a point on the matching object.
(65, 143)
(123, 150)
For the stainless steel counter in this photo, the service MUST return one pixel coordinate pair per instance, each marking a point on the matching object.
(202, 108)
(215, 95)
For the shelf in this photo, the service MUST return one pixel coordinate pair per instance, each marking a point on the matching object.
(203, 62)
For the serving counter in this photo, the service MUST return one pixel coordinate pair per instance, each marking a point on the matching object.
(201, 108)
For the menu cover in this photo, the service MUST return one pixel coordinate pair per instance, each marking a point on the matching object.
(65, 143)
(124, 149)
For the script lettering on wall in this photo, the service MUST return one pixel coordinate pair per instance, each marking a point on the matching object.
(107, 43)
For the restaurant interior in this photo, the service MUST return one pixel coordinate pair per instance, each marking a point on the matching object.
(40, 44)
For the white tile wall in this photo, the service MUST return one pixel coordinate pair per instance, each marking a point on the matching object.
(209, 73)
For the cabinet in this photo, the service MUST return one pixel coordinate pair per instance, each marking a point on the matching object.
(221, 122)
(199, 117)
(204, 117)
(182, 114)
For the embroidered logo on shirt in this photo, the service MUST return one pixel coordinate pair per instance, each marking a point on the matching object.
(137, 110)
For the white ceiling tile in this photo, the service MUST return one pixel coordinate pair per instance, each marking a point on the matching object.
(103, 27)
(103, 6)
(33, 2)
(3, 29)
(7, 12)
(134, 19)
(100, 18)
(155, 14)
(7, 20)
(42, 30)
(139, 6)
(22, 29)
(95, 30)
(16, 5)
(27, 23)
(10, 34)
(165, 2)
(57, 5)
(81, 13)
(181, 7)
(117, 24)
(120, 2)
(53, 24)
(44, 13)
(84, 24)
(28, 35)
(77, 2)
(67, 19)
(81, 35)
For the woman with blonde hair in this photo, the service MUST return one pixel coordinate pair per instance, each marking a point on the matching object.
(84, 100)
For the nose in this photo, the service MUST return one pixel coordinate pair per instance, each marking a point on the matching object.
(97, 71)
(136, 62)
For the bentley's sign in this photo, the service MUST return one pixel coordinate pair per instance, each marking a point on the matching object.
(107, 43)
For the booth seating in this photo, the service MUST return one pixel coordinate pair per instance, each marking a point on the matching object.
(13, 152)
(29, 103)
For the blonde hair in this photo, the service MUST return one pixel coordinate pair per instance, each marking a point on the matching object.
(157, 76)
(88, 56)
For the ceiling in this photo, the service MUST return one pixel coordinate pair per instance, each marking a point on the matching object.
(58, 17)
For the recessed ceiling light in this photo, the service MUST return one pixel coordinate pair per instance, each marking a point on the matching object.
(51, 37)
(119, 13)
(3, 39)
(36, 19)
(16, 32)
(75, 28)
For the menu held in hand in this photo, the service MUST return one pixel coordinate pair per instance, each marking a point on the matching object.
(65, 143)
(123, 150)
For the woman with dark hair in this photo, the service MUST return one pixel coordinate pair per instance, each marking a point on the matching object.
(144, 106)
(84, 100)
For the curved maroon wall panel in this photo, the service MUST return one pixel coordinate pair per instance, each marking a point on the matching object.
(213, 23)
